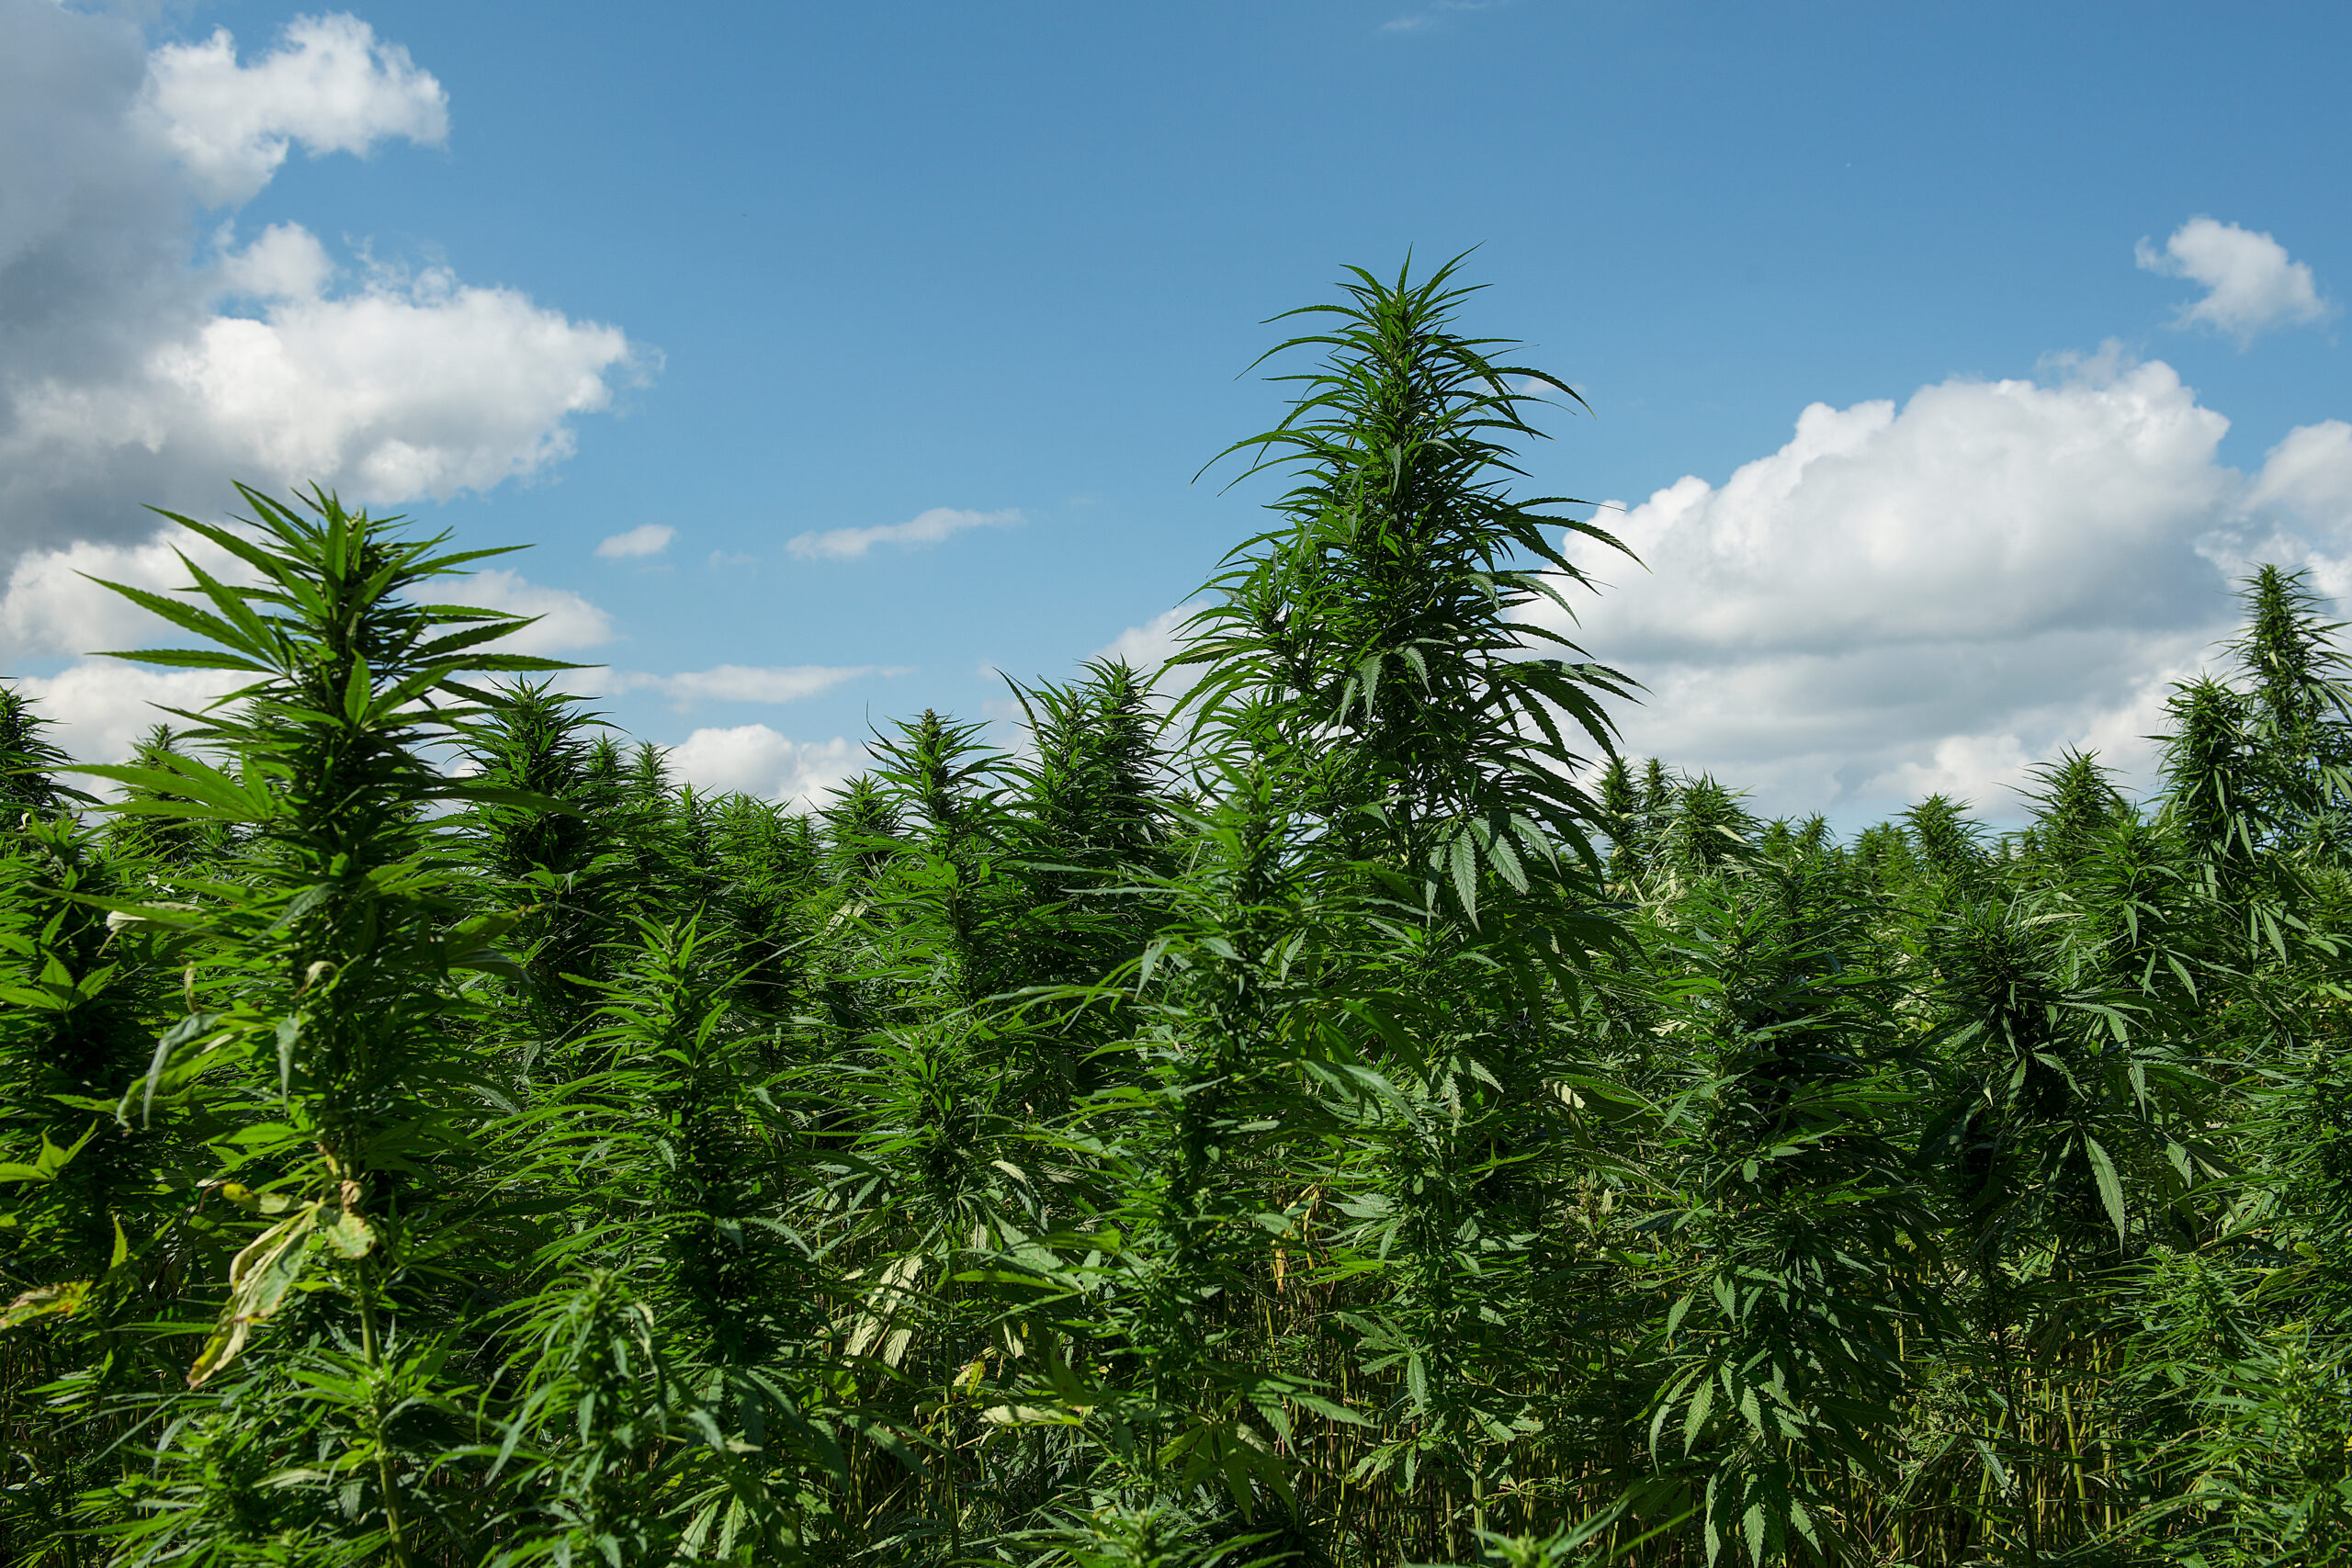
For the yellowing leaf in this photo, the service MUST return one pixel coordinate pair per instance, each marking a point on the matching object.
(46, 1301)
(259, 1280)
(349, 1234)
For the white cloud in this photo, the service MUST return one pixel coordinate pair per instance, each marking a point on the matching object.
(2300, 511)
(745, 683)
(1150, 645)
(928, 528)
(645, 539)
(566, 623)
(410, 385)
(138, 365)
(285, 261)
(2309, 475)
(751, 759)
(99, 707)
(1938, 596)
(51, 606)
(2250, 283)
(329, 85)
(1980, 509)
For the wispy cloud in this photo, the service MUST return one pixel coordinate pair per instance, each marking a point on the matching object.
(646, 539)
(929, 528)
(745, 682)
(1417, 21)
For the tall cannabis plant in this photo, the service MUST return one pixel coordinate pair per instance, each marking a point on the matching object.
(1385, 624)
(320, 1045)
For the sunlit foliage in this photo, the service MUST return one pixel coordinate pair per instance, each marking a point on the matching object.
(1345, 1115)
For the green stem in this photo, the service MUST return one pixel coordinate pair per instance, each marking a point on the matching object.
(371, 1349)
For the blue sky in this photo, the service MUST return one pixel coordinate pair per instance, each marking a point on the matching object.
(765, 272)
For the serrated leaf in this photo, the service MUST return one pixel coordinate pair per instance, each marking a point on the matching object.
(1694, 1421)
(2111, 1186)
(1465, 875)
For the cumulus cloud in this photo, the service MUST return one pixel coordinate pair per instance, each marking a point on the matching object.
(409, 386)
(746, 683)
(2299, 507)
(2250, 283)
(562, 622)
(2308, 477)
(1939, 594)
(141, 361)
(56, 602)
(751, 759)
(928, 528)
(645, 539)
(285, 261)
(100, 707)
(331, 84)
(1150, 645)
